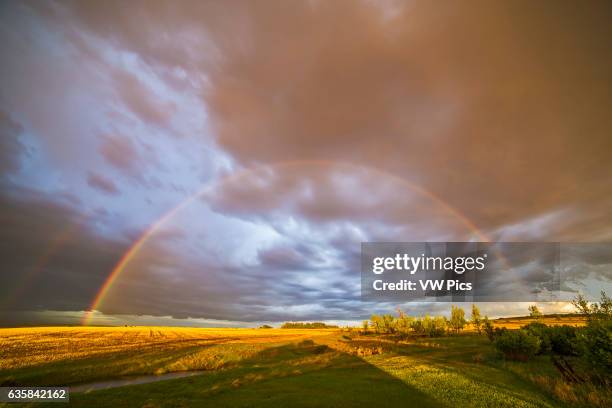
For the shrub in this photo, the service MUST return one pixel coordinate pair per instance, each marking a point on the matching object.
(498, 331)
(564, 340)
(595, 340)
(389, 323)
(377, 323)
(517, 344)
(541, 331)
(403, 322)
(560, 340)
(429, 326)
(489, 330)
(435, 327)
(417, 326)
(596, 347)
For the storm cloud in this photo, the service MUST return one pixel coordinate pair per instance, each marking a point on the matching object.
(272, 138)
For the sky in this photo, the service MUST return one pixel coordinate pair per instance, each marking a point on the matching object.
(226, 159)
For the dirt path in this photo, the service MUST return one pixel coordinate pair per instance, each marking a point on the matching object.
(145, 379)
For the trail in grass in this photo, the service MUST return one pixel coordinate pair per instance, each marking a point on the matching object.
(143, 379)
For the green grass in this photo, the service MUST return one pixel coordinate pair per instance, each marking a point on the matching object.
(330, 370)
(464, 371)
(130, 363)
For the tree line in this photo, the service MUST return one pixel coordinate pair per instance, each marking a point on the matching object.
(591, 345)
(307, 325)
(432, 326)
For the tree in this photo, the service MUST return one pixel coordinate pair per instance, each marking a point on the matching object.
(365, 326)
(582, 305)
(402, 323)
(417, 326)
(601, 310)
(457, 320)
(307, 325)
(594, 339)
(388, 323)
(437, 326)
(377, 323)
(488, 328)
(534, 312)
(476, 320)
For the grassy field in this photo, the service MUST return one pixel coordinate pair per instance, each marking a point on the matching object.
(550, 320)
(279, 367)
(83, 354)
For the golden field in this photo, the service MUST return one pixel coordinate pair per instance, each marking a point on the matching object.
(24, 347)
(518, 322)
(283, 367)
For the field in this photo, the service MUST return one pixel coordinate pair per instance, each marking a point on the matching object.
(550, 320)
(277, 367)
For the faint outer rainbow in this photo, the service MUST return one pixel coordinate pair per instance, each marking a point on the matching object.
(56, 243)
(139, 243)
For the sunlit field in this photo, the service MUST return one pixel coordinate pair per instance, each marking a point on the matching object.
(82, 354)
(517, 322)
(278, 367)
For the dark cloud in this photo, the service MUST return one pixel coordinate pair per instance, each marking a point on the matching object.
(325, 192)
(594, 253)
(51, 259)
(283, 259)
(487, 105)
(101, 183)
(343, 121)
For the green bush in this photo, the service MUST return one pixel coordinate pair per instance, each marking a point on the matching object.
(488, 328)
(561, 340)
(596, 346)
(541, 331)
(564, 340)
(429, 326)
(595, 340)
(492, 332)
(517, 344)
(436, 327)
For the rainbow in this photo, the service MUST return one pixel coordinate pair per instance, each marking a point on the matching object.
(153, 228)
(130, 254)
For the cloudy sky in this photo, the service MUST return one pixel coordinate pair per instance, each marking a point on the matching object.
(248, 148)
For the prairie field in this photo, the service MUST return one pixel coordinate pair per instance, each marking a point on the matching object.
(81, 354)
(278, 367)
(517, 322)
